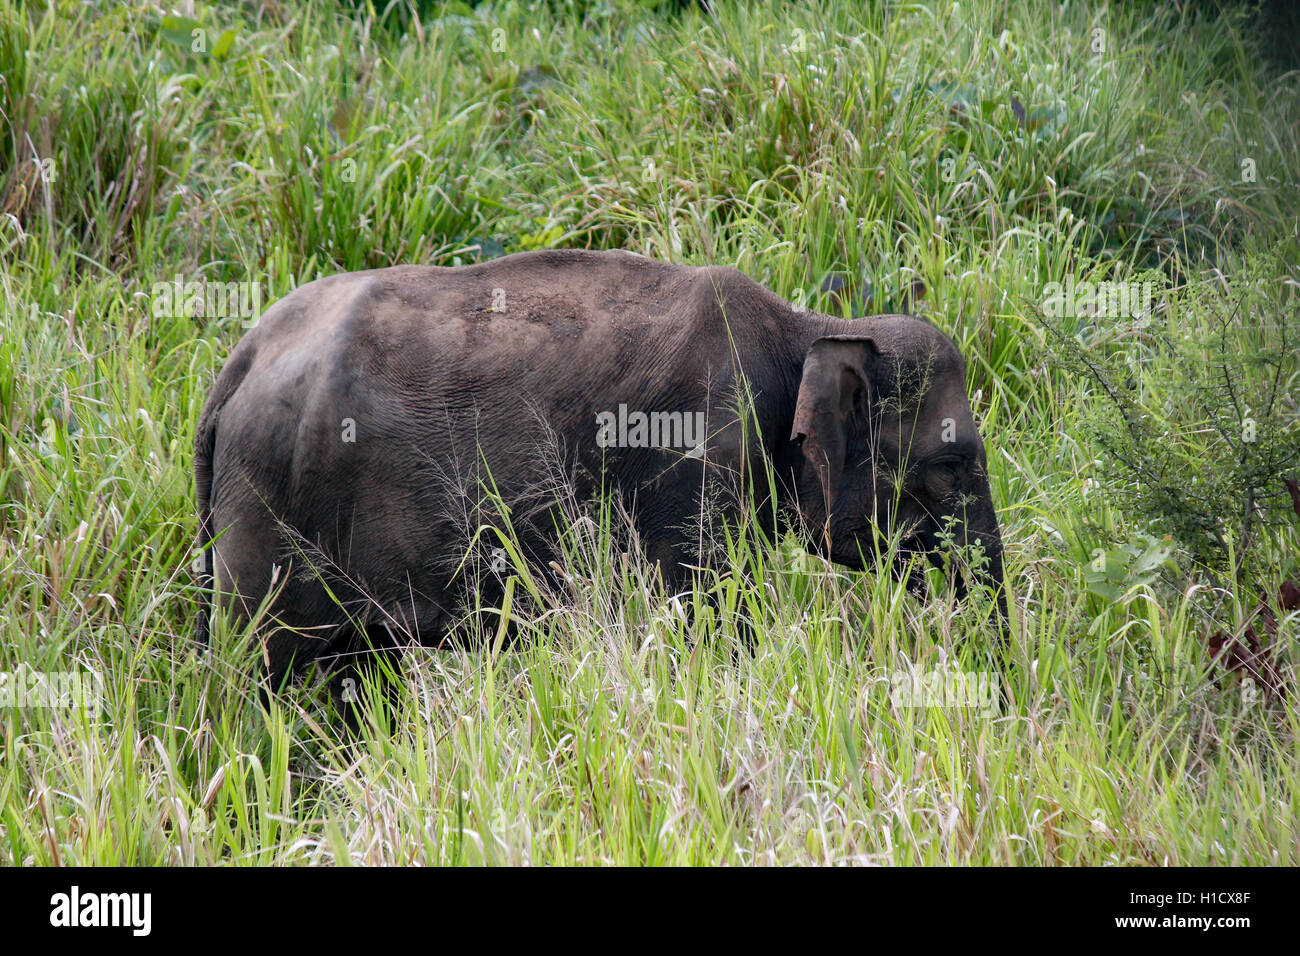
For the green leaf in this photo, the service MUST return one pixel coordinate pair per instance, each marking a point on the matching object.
(1152, 558)
(1114, 564)
(1103, 590)
(179, 31)
(221, 49)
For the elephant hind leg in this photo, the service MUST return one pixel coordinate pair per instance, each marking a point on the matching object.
(313, 613)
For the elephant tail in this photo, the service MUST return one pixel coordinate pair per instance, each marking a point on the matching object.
(205, 443)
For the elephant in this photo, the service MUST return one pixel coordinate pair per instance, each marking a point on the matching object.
(343, 443)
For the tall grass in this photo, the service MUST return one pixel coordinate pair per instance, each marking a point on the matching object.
(980, 147)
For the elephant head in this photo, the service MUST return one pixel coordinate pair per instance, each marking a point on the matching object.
(890, 447)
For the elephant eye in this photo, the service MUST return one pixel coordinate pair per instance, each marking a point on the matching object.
(943, 476)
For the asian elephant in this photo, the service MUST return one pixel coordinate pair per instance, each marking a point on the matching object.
(341, 445)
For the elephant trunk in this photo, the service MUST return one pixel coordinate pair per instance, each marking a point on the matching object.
(982, 526)
(994, 578)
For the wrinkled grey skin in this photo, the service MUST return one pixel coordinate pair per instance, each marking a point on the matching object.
(439, 375)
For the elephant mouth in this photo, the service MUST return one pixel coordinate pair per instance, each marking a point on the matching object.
(918, 545)
(915, 544)
(906, 564)
(921, 540)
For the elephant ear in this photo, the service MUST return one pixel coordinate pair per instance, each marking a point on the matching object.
(834, 396)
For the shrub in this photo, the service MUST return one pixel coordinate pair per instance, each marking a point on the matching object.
(1194, 408)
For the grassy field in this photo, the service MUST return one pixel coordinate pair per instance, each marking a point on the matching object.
(985, 150)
